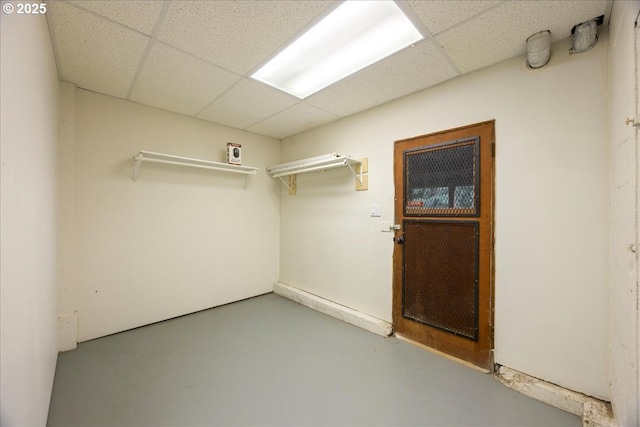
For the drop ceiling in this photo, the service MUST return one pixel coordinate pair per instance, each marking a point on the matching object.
(195, 57)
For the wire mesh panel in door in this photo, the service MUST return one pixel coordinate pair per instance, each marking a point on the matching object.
(443, 179)
(440, 283)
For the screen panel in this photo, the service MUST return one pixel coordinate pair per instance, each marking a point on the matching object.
(443, 179)
(440, 278)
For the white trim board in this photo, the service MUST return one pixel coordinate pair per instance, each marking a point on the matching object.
(346, 314)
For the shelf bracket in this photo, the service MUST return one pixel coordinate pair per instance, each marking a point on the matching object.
(291, 186)
(137, 160)
(358, 175)
(285, 183)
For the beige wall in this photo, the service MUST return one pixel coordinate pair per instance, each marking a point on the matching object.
(29, 85)
(551, 209)
(176, 241)
(623, 186)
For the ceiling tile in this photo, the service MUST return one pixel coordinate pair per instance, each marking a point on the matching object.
(175, 81)
(439, 15)
(136, 14)
(501, 33)
(294, 120)
(408, 71)
(92, 52)
(237, 35)
(247, 103)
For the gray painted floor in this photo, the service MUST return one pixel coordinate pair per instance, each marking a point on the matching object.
(269, 361)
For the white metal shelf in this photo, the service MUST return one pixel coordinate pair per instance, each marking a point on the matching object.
(314, 164)
(149, 156)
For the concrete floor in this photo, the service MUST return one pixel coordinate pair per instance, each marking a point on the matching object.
(268, 361)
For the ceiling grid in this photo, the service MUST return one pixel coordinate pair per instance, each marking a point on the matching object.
(195, 57)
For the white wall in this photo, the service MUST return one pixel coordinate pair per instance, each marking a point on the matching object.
(176, 241)
(29, 84)
(67, 297)
(623, 163)
(551, 209)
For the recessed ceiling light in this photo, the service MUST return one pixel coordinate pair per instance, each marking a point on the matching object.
(353, 36)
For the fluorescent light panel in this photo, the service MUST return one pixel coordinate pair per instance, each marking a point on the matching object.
(353, 36)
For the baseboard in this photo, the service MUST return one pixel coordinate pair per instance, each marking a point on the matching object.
(594, 412)
(346, 314)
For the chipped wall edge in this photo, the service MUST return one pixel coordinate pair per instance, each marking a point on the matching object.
(594, 412)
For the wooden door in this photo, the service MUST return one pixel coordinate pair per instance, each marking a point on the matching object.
(443, 257)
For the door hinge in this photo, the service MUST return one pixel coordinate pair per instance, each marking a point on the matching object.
(493, 149)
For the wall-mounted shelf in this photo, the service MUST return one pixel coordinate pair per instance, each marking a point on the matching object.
(315, 164)
(149, 156)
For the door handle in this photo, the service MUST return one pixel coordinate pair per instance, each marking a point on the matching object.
(399, 240)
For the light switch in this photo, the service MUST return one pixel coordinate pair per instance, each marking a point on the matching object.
(375, 210)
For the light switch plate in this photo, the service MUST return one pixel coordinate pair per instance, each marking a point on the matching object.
(376, 210)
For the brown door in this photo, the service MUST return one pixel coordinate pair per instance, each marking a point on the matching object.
(443, 257)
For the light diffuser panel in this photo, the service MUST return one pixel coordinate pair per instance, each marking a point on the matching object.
(353, 36)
